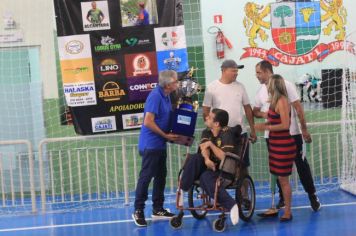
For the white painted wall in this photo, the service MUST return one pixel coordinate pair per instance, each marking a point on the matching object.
(36, 19)
(233, 15)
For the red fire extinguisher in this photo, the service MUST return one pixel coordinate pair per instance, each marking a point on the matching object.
(220, 45)
(221, 40)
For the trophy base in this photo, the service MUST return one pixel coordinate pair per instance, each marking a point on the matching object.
(184, 140)
(183, 122)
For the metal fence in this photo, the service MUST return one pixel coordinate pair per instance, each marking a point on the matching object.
(98, 173)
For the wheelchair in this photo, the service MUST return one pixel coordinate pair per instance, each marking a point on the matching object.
(234, 177)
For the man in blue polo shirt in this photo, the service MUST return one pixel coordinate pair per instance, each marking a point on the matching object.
(152, 147)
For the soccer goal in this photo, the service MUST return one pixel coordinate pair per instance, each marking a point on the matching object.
(348, 178)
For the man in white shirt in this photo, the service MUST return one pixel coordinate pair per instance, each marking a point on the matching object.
(231, 96)
(264, 71)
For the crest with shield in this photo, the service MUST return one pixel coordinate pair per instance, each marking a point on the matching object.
(296, 26)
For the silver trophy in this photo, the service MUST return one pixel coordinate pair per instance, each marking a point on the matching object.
(187, 88)
(185, 115)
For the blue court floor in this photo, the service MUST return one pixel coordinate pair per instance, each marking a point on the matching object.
(336, 217)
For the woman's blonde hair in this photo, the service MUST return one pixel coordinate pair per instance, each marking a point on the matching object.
(276, 89)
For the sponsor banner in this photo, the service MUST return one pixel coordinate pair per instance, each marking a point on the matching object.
(170, 38)
(111, 92)
(319, 53)
(103, 124)
(108, 57)
(132, 121)
(173, 60)
(105, 44)
(81, 94)
(74, 47)
(95, 15)
(139, 88)
(141, 64)
(75, 71)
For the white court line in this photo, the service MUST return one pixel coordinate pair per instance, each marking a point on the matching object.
(126, 221)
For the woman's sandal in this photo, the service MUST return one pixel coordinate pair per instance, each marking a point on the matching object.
(285, 219)
(272, 212)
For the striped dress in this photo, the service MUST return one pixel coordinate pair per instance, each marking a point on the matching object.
(281, 148)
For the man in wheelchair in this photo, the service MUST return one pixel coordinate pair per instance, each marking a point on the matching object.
(217, 140)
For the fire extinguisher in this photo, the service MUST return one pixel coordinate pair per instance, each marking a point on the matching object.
(220, 45)
(220, 41)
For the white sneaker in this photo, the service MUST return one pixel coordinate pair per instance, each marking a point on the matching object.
(234, 214)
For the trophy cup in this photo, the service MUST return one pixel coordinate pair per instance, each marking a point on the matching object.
(184, 117)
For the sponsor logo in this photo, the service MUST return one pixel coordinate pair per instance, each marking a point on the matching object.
(176, 60)
(169, 38)
(143, 87)
(78, 70)
(143, 42)
(172, 63)
(127, 107)
(74, 47)
(101, 124)
(140, 87)
(97, 25)
(109, 67)
(185, 120)
(141, 65)
(131, 121)
(79, 89)
(133, 41)
(80, 94)
(111, 92)
(95, 15)
(107, 45)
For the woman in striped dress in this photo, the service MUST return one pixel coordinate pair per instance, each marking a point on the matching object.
(281, 146)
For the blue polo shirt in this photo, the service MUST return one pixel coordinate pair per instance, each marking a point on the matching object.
(160, 105)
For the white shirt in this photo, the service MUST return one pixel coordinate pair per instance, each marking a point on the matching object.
(229, 97)
(261, 101)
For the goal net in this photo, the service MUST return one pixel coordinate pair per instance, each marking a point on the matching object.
(348, 177)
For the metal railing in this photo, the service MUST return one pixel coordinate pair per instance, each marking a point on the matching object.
(105, 168)
(21, 178)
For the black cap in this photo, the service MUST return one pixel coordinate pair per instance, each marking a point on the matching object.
(231, 64)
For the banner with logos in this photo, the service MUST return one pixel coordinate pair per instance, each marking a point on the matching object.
(111, 52)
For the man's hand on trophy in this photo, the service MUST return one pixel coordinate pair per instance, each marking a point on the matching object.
(172, 137)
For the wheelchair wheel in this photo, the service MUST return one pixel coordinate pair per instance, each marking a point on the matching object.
(194, 201)
(219, 225)
(176, 222)
(245, 197)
